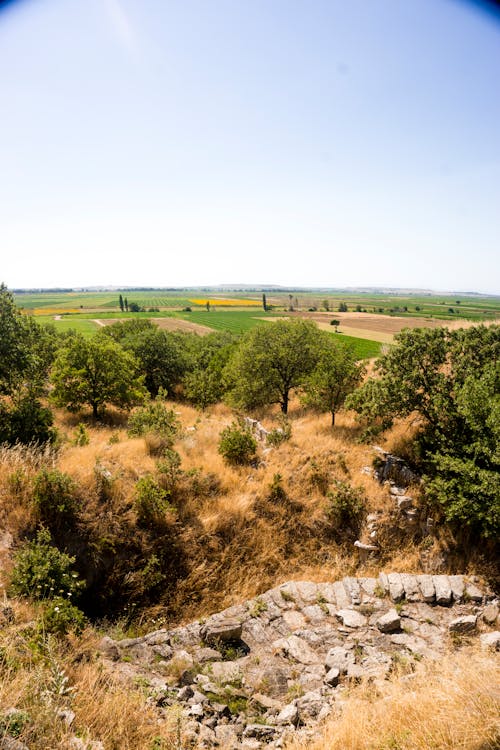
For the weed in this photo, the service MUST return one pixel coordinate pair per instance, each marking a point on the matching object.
(237, 445)
(258, 607)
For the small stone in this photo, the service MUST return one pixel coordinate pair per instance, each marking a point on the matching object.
(108, 648)
(288, 715)
(351, 618)
(196, 711)
(204, 655)
(265, 702)
(491, 640)
(332, 677)
(464, 624)
(259, 731)
(389, 622)
(405, 502)
(185, 693)
(66, 715)
(490, 614)
(339, 658)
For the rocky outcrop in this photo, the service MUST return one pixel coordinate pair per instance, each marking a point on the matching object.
(273, 667)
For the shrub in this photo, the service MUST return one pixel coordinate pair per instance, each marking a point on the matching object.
(237, 445)
(276, 490)
(169, 469)
(347, 506)
(54, 495)
(61, 617)
(41, 571)
(26, 421)
(280, 434)
(81, 436)
(151, 502)
(156, 419)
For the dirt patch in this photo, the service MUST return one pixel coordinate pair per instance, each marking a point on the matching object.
(371, 322)
(185, 326)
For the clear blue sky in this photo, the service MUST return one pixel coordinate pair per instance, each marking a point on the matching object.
(311, 142)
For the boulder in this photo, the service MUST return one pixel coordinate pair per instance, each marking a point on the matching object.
(332, 677)
(396, 588)
(490, 614)
(339, 658)
(288, 715)
(297, 649)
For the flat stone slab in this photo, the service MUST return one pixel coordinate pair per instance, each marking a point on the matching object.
(351, 619)
(217, 631)
(464, 624)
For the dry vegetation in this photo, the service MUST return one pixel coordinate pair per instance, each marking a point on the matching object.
(455, 706)
(234, 532)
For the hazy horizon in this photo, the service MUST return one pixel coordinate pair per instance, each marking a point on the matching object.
(324, 144)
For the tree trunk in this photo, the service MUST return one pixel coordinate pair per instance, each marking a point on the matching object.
(284, 404)
(95, 413)
(333, 419)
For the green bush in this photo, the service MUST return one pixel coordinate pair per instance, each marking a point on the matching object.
(81, 436)
(54, 495)
(156, 419)
(237, 445)
(347, 507)
(280, 434)
(151, 502)
(61, 617)
(41, 571)
(169, 469)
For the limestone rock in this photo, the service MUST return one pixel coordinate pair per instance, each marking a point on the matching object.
(332, 677)
(339, 658)
(490, 614)
(217, 631)
(443, 590)
(351, 618)
(396, 588)
(108, 648)
(297, 649)
(288, 715)
(464, 624)
(389, 622)
(426, 587)
(491, 640)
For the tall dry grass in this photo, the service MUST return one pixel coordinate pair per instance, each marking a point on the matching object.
(453, 704)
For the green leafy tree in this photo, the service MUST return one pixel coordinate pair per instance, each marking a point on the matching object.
(451, 381)
(163, 356)
(335, 376)
(120, 302)
(95, 372)
(343, 307)
(270, 361)
(204, 382)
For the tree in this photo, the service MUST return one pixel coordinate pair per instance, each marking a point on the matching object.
(326, 305)
(162, 355)
(120, 302)
(264, 303)
(451, 381)
(343, 307)
(26, 352)
(125, 303)
(335, 376)
(204, 382)
(96, 372)
(271, 360)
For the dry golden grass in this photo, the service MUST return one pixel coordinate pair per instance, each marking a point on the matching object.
(450, 705)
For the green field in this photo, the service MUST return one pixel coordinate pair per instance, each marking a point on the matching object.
(235, 321)
(443, 307)
(70, 323)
